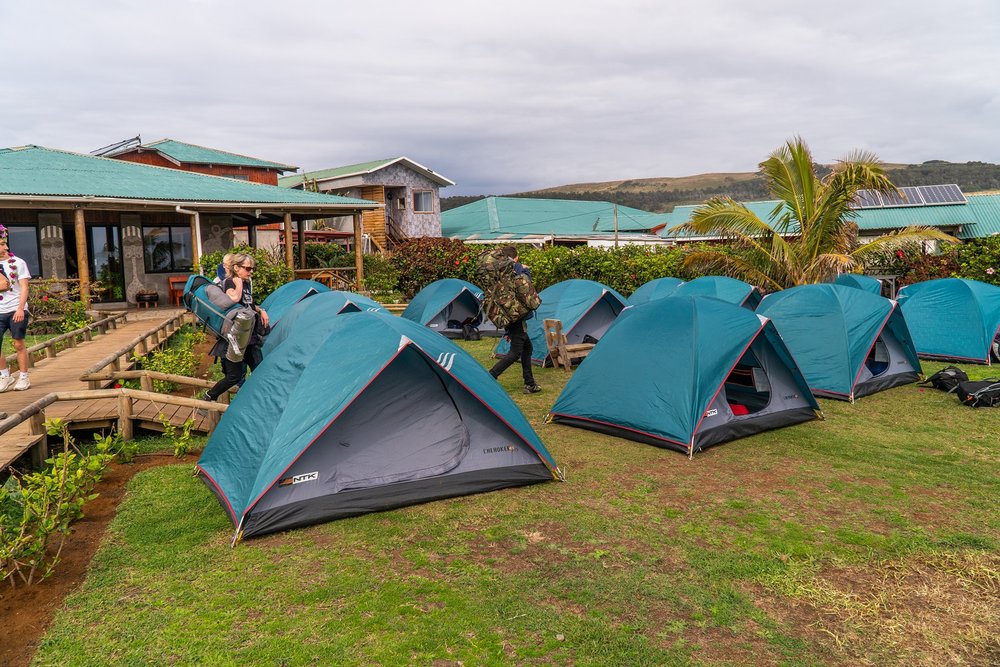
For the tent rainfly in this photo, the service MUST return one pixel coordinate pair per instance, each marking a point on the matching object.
(585, 308)
(316, 312)
(722, 287)
(281, 300)
(685, 373)
(953, 318)
(655, 289)
(846, 341)
(445, 305)
(326, 428)
(860, 281)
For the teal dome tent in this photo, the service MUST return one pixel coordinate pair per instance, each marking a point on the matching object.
(953, 318)
(585, 308)
(655, 289)
(282, 299)
(445, 305)
(685, 373)
(860, 281)
(847, 342)
(317, 311)
(327, 428)
(721, 287)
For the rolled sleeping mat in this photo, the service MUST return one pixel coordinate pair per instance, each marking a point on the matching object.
(238, 334)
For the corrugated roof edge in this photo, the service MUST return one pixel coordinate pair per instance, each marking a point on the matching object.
(270, 163)
(362, 168)
(176, 172)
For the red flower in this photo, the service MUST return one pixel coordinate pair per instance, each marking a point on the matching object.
(45, 298)
(899, 253)
(118, 385)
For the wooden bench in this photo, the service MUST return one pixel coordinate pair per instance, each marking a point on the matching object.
(563, 353)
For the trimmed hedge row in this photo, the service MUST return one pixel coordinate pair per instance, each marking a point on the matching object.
(419, 262)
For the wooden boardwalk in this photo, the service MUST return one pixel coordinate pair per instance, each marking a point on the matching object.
(62, 374)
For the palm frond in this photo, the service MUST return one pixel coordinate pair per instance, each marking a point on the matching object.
(887, 244)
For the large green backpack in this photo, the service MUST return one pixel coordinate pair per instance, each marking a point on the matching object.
(507, 296)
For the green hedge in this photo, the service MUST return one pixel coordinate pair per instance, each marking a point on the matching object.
(419, 262)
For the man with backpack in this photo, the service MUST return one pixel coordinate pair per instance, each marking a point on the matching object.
(509, 300)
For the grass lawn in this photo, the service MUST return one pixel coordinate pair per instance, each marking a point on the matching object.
(870, 538)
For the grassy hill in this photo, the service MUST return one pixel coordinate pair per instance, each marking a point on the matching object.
(662, 194)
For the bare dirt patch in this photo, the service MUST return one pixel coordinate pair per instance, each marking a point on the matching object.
(27, 611)
(936, 610)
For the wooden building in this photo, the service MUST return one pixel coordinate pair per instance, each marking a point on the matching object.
(131, 226)
(408, 191)
(199, 159)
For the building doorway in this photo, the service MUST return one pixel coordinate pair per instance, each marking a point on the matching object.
(104, 252)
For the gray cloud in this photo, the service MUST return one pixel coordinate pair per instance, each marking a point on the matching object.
(514, 95)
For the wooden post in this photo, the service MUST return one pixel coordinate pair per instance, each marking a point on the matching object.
(82, 261)
(302, 244)
(125, 416)
(359, 265)
(146, 383)
(289, 258)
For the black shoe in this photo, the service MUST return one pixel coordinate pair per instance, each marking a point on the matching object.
(532, 388)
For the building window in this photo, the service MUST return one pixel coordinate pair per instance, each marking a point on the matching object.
(23, 242)
(423, 201)
(401, 204)
(238, 177)
(167, 249)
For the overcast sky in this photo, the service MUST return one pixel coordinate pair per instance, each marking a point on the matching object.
(508, 96)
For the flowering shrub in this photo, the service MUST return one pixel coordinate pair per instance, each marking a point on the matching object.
(980, 260)
(422, 261)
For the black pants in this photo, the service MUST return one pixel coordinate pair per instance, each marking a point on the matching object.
(520, 348)
(234, 372)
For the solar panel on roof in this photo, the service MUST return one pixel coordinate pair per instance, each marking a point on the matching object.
(942, 194)
(905, 197)
(921, 195)
(868, 199)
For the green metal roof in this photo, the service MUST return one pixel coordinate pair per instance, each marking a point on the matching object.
(34, 171)
(979, 217)
(295, 180)
(518, 217)
(986, 209)
(193, 154)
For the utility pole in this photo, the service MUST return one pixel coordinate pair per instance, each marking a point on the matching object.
(616, 226)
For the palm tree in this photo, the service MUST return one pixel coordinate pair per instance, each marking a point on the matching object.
(810, 236)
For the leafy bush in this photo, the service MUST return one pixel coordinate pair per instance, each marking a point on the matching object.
(55, 304)
(177, 358)
(39, 505)
(980, 260)
(381, 277)
(624, 268)
(75, 317)
(270, 273)
(422, 261)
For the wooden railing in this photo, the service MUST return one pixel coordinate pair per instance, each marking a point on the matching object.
(338, 278)
(51, 347)
(146, 379)
(35, 413)
(122, 358)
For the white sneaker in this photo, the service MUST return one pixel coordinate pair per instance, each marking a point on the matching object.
(21, 384)
(7, 383)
